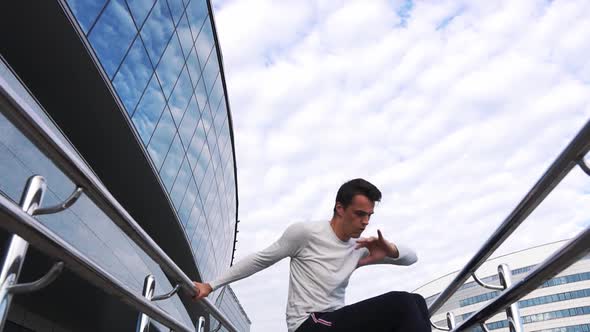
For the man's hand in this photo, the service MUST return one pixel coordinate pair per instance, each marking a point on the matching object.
(378, 249)
(201, 290)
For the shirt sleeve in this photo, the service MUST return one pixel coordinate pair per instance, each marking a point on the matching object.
(286, 246)
(407, 256)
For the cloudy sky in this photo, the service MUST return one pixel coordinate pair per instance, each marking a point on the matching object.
(454, 109)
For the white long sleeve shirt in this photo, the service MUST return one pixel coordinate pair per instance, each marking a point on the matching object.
(321, 265)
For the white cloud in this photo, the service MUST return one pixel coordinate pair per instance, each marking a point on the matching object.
(454, 111)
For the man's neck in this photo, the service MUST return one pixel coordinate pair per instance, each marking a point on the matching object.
(337, 228)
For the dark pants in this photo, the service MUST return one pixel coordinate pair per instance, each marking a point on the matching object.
(390, 312)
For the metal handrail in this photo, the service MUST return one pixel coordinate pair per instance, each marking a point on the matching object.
(559, 261)
(16, 221)
(577, 148)
(72, 165)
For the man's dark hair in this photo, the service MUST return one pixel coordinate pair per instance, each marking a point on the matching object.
(356, 187)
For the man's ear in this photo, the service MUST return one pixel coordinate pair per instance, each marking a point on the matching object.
(339, 209)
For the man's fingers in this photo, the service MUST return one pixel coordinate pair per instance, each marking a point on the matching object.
(380, 235)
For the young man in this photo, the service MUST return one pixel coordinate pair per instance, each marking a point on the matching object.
(323, 256)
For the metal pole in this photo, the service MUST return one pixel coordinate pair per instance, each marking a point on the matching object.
(16, 221)
(201, 324)
(17, 249)
(143, 321)
(512, 312)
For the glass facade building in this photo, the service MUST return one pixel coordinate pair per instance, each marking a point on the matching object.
(136, 88)
(560, 304)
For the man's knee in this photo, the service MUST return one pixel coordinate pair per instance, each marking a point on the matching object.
(409, 299)
(398, 297)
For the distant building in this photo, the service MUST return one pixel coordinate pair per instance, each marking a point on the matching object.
(561, 304)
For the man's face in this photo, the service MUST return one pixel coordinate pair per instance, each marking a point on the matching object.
(356, 216)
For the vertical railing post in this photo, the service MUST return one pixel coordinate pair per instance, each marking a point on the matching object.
(451, 323)
(512, 312)
(201, 324)
(17, 248)
(143, 321)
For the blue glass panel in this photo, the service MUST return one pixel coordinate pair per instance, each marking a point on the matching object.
(112, 35)
(200, 169)
(216, 95)
(19, 164)
(197, 12)
(184, 32)
(213, 151)
(224, 143)
(207, 118)
(211, 71)
(157, 30)
(211, 266)
(201, 230)
(170, 66)
(189, 122)
(177, 8)
(160, 142)
(220, 118)
(196, 145)
(193, 66)
(140, 9)
(201, 94)
(188, 202)
(149, 110)
(193, 232)
(204, 248)
(172, 163)
(204, 43)
(207, 181)
(86, 11)
(12, 185)
(181, 184)
(133, 76)
(180, 96)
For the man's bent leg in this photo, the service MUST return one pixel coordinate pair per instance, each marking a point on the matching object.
(390, 312)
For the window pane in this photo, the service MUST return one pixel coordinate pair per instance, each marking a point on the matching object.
(170, 66)
(180, 96)
(197, 12)
(160, 143)
(189, 122)
(193, 67)
(140, 9)
(197, 142)
(184, 32)
(133, 76)
(149, 110)
(211, 72)
(86, 11)
(188, 202)
(177, 7)
(216, 94)
(207, 119)
(201, 94)
(181, 184)
(112, 35)
(157, 30)
(172, 163)
(204, 43)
